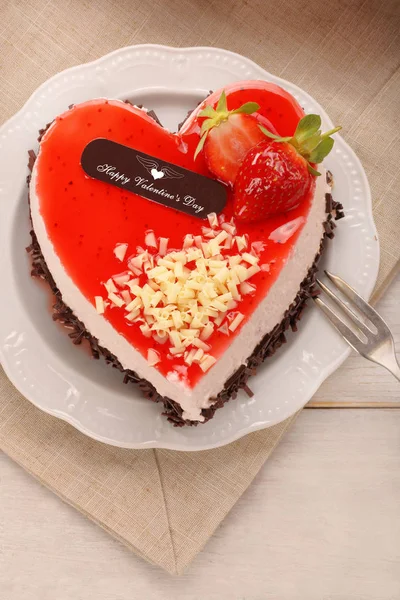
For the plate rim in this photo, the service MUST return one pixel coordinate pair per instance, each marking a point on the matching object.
(244, 429)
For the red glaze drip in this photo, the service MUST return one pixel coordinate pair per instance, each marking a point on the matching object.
(85, 218)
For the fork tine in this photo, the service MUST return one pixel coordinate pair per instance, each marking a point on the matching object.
(358, 301)
(359, 325)
(350, 337)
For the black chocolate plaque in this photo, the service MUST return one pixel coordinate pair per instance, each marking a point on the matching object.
(153, 178)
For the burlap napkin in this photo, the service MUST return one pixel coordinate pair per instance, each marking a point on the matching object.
(165, 505)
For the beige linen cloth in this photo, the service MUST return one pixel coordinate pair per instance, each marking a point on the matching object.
(165, 505)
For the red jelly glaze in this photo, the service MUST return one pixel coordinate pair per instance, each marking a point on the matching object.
(276, 104)
(86, 218)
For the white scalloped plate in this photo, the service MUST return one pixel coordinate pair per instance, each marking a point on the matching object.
(62, 379)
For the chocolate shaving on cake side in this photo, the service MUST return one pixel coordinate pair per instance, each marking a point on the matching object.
(238, 381)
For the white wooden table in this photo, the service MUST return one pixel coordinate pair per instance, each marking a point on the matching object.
(321, 521)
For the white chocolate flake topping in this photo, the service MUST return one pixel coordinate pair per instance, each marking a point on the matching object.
(150, 239)
(120, 251)
(213, 220)
(182, 297)
(99, 304)
(153, 357)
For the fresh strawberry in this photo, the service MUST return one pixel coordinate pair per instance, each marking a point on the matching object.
(228, 143)
(227, 136)
(272, 179)
(276, 175)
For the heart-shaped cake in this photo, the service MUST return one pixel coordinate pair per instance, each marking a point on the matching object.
(182, 257)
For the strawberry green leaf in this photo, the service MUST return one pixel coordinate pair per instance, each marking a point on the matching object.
(331, 132)
(268, 133)
(248, 108)
(207, 125)
(312, 170)
(278, 138)
(306, 127)
(208, 111)
(200, 144)
(322, 150)
(310, 143)
(222, 105)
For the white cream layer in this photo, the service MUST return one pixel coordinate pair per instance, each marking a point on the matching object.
(269, 312)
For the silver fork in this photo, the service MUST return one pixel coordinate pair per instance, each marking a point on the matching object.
(377, 345)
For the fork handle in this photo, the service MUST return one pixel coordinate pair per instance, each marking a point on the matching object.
(393, 366)
(396, 372)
